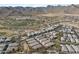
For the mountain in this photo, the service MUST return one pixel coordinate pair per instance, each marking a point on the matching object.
(23, 11)
(71, 9)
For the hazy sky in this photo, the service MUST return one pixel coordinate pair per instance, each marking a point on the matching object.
(36, 2)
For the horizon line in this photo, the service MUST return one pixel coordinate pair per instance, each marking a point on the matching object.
(32, 5)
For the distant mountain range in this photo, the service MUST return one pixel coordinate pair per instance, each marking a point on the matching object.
(23, 11)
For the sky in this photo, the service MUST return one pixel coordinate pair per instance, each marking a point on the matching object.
(36, 3)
